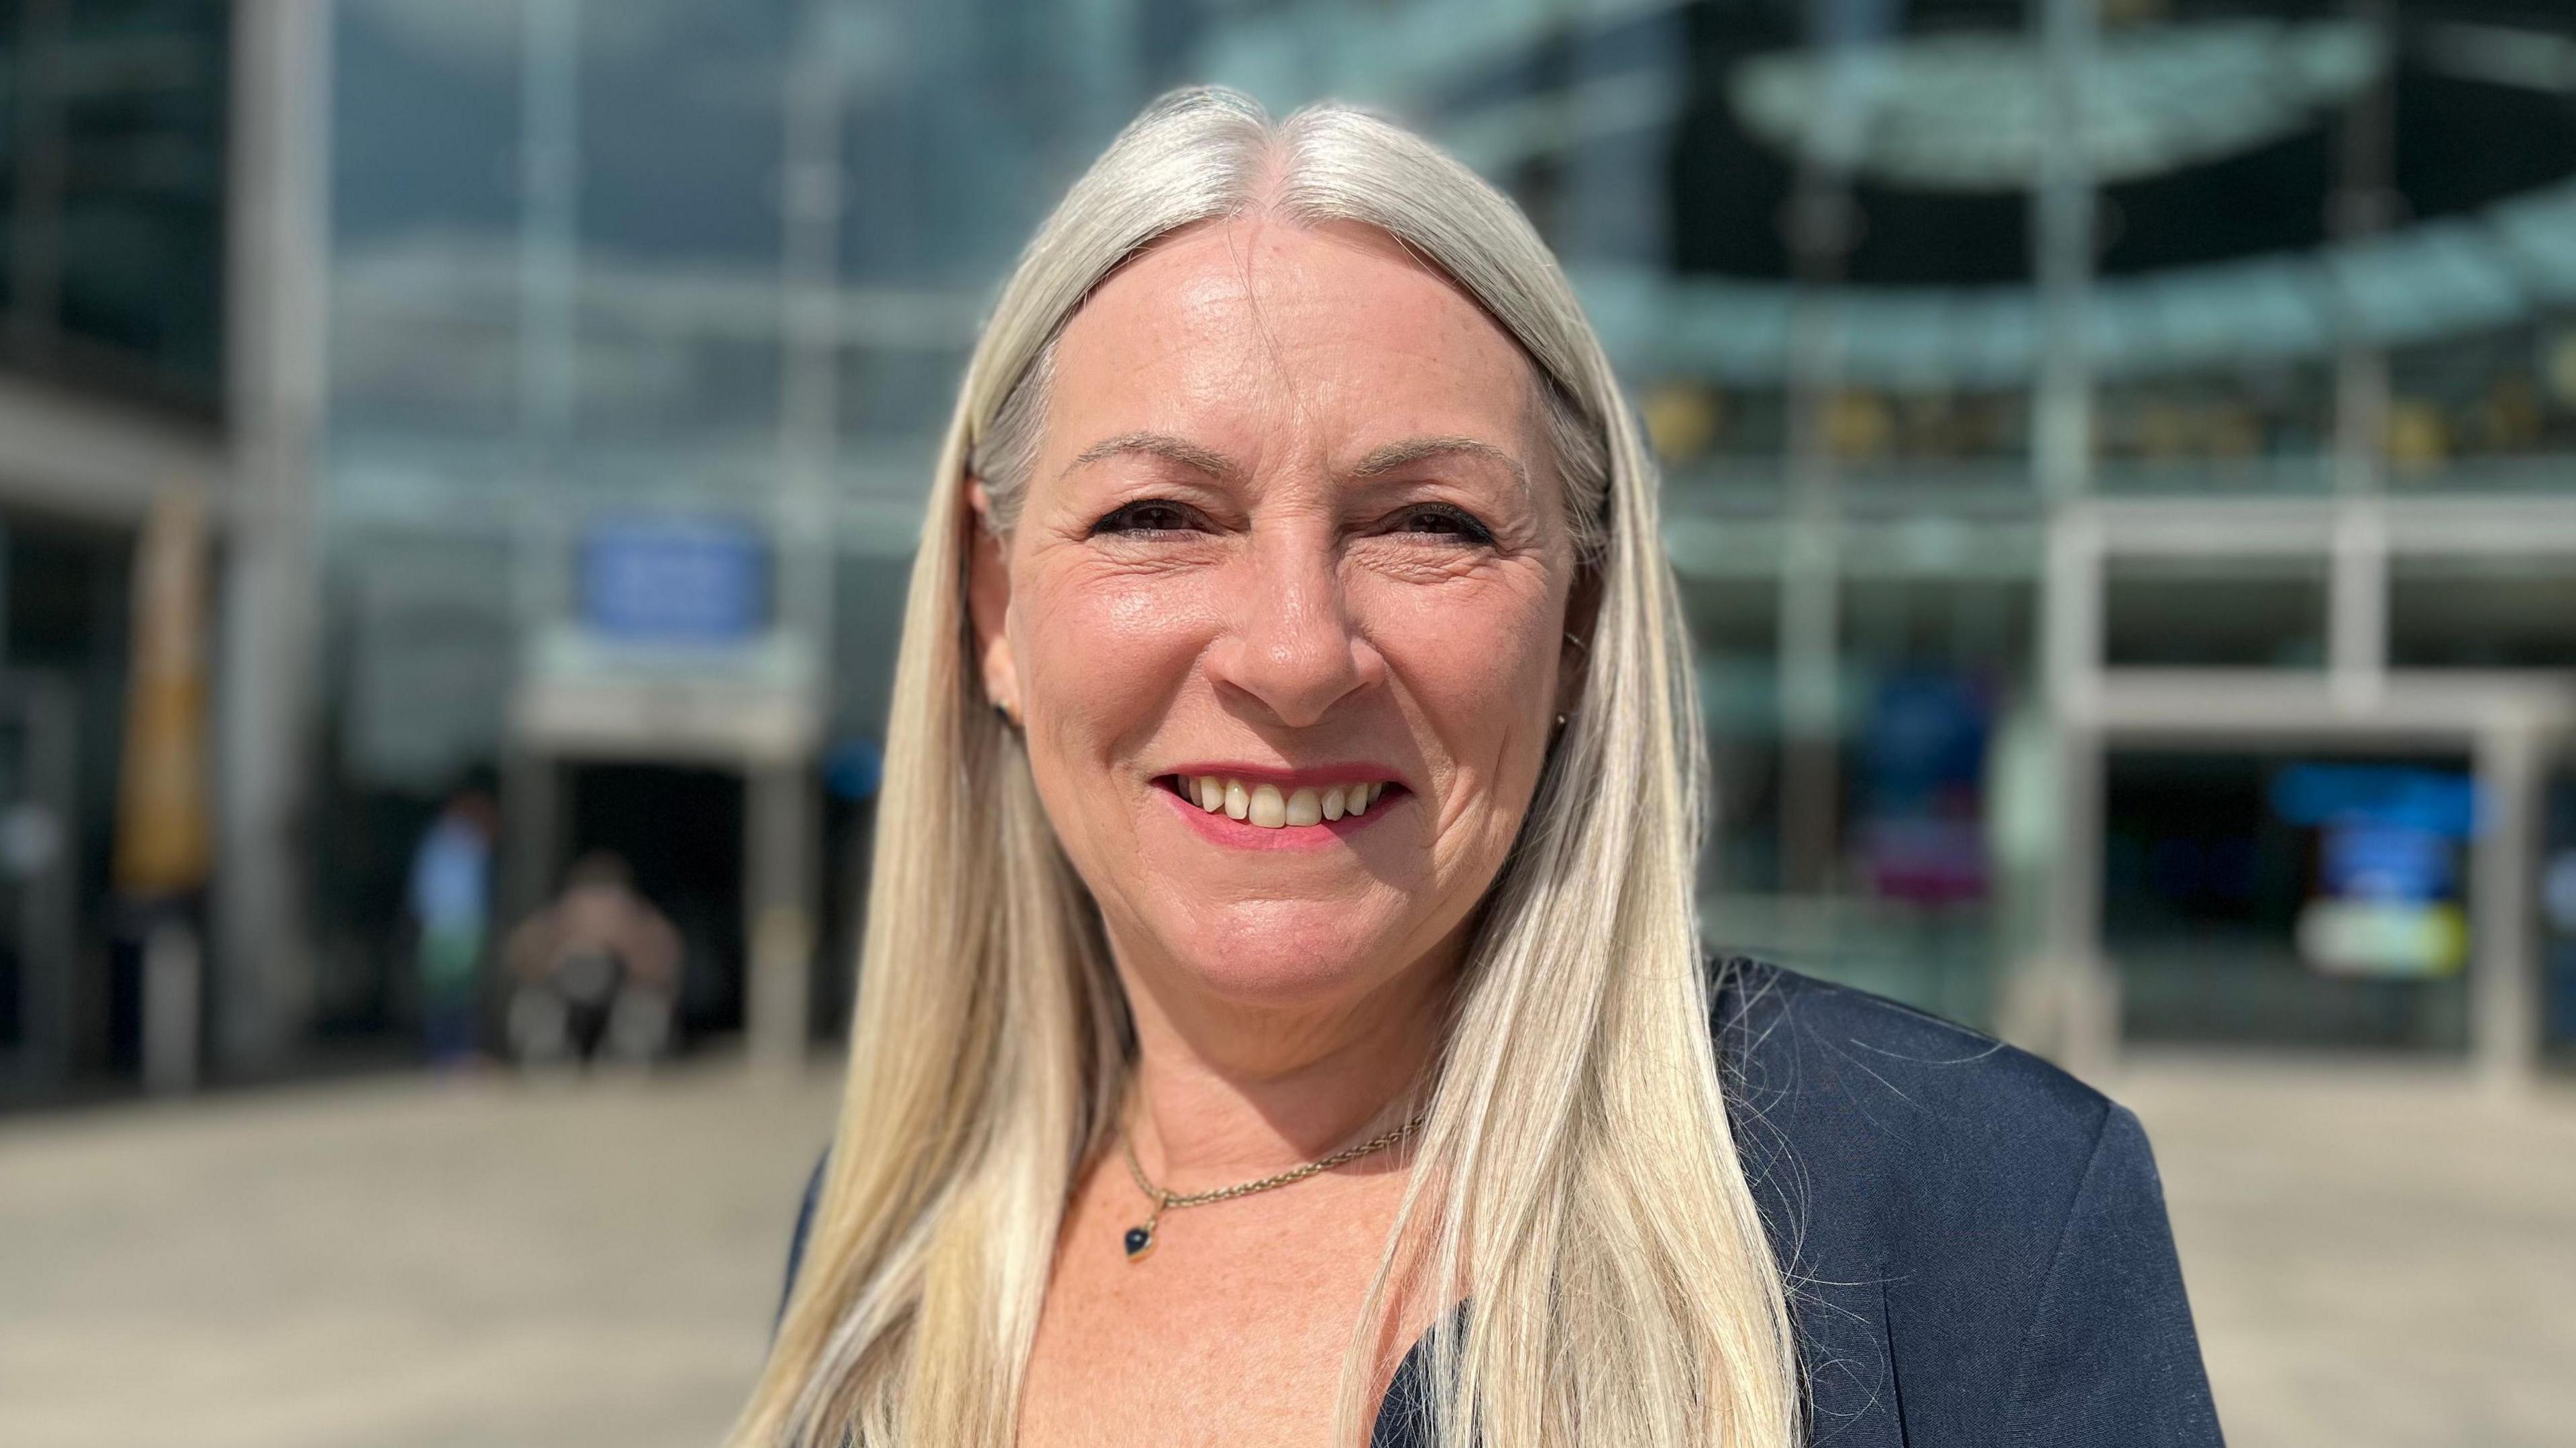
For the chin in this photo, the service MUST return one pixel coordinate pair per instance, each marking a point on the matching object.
(1288, 954)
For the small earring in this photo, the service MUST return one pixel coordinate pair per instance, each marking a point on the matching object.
(1003, 713)
(1560, 721)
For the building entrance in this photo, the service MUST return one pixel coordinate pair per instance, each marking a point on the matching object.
(2280, 898)
(679, 830)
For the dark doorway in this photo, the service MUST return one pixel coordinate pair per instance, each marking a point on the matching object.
(680, 831)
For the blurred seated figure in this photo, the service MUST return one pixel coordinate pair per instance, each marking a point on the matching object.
(594, 974)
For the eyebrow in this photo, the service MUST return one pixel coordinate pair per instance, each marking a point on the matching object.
(1161, 445)
(1414, 449)
(1379, 462)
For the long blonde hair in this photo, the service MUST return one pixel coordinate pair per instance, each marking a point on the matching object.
(1575, 1183)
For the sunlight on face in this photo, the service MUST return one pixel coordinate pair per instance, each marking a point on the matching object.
(1293, 548)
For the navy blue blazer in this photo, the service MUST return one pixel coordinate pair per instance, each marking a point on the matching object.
(1975, 1242)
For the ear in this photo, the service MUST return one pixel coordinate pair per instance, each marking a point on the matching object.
(1574, 651)
(988, 601)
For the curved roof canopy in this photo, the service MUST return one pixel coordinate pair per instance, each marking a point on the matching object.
(2215, 135)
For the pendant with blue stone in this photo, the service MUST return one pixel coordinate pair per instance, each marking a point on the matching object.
(1139, 1240)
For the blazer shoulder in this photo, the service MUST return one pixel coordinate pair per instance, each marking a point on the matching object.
(1925, 1137)
(1787, 1039)
(1957, 1214)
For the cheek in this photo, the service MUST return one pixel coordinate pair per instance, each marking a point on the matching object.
(1482, 669)
(1100, 657)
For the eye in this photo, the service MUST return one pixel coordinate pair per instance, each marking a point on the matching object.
(1441, 520)
(1148, 516)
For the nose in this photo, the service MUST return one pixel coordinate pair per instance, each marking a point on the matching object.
(1288, 645)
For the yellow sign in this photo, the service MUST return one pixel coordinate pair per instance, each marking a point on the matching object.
(162, 846)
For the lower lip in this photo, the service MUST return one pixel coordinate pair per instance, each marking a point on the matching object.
(1218, 827)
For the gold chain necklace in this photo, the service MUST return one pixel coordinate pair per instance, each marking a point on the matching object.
(1139, 1241)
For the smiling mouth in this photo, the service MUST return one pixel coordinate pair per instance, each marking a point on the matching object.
(1267, 806)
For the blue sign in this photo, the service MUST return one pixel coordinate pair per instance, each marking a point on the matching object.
(2438, 801)
(675, 580)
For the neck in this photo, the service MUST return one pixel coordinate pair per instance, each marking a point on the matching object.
(1225, 1090)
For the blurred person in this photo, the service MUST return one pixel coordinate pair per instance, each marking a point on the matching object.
(595, 974)
(450, 898)
(1282, 1016)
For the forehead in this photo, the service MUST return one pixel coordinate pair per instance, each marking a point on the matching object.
(1333, 333)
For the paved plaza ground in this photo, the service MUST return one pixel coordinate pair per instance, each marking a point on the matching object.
(2377, 1258)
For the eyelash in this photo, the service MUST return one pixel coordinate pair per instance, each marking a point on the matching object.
(1469, 530)
(1120, 520)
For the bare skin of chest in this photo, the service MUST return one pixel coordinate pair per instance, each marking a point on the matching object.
(1232, 1331)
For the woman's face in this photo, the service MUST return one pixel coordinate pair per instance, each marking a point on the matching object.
(1283, 614)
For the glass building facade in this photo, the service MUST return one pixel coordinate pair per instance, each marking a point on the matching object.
(2078, 418)
(112, 155)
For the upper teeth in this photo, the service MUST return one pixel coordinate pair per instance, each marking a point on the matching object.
(1266, 806)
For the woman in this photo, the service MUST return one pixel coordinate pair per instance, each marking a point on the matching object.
(1282, 1018)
